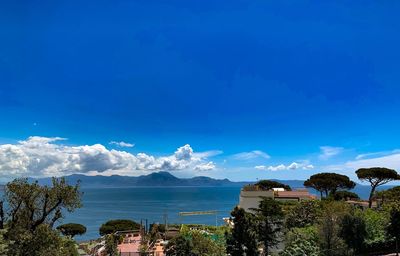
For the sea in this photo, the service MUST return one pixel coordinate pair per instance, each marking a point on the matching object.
(152, 204)
(159, 205)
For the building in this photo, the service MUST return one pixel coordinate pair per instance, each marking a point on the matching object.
(131, 241)
(251, 195)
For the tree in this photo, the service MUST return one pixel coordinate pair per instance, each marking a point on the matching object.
(391, 195)
(343, 195)
(353, 232)
(195, 243)
(302, 241)
(330, 241)
(30, 205)
(270, 217)
(304, 214)
(393, 228)
(329, 183)
(270, 184)
(179, 246)
(112, 226)
(243, 238)
(31, 213)
(111, 245)
(375, 222)
(376, 176)
(72, 229)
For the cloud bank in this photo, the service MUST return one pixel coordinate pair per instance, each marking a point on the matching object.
(282, 167)
(43, 156)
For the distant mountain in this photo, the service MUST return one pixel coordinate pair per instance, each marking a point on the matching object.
(153, 179)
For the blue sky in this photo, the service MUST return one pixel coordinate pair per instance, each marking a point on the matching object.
(246, 84)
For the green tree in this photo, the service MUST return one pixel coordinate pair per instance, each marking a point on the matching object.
(343, 195)
(112, 245)
(113, 226)
(375, 222)
(243, 239)
(204, 245)
(329, 183)
(330, 241)
(72, 229)
(304, 214)
(376, 176)
(391, 195)
(270, 184)
(393, 228)
(302, 241)
(31, 213)
(353, 232)
(270, 216)
(179, 246)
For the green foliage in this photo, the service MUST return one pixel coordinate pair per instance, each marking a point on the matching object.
(270, 217)
(30, 205)
(302, 241)
(32, 211)
(375, 222)
(72, 229)
(376, 176)
(179, 246)
(195, 243)
(243, 238)
(113, 226)
(4, 243)
(329, 182)
(303, 214)
(44, 241)
(389, 196)
(112, 245)
(343, 195)
(353, 232)
(393, 229)
(270, 184)
(330, 241)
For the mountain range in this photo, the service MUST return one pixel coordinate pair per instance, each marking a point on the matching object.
(153, 179)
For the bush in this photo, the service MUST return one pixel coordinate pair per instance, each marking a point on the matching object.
(113, 226)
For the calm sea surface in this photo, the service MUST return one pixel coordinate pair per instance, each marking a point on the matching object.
(152, 203)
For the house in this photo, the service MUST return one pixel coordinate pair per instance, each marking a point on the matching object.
(130, 244)
(251, 195)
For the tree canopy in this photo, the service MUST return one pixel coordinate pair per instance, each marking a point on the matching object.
(113, 226)
(329, 182)
(270, 216)
(72, 229)
(343, 195)
(376, 176)
(30, 212)
(243, 239)
(270, 184)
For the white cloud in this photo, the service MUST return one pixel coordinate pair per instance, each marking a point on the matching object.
(376, 154)
(207, 154)
(293, 166)
(389, 161)
(205, 166)
(122, 144)
(41, 156)
(251, 155)
(328, 152)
